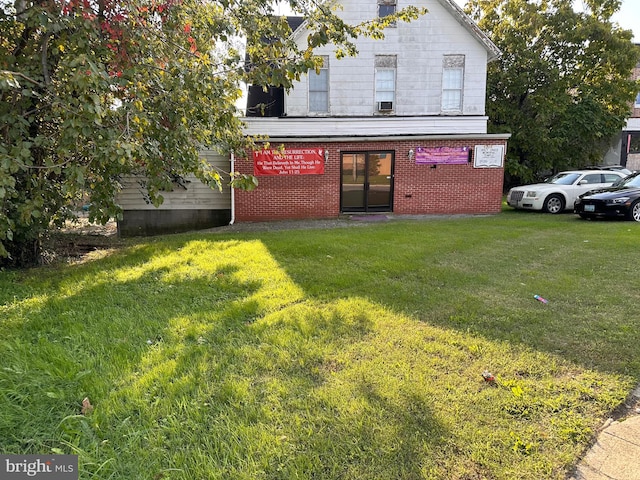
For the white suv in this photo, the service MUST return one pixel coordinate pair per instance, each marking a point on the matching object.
(559, 192)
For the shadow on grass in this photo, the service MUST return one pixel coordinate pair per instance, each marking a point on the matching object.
(201, 359)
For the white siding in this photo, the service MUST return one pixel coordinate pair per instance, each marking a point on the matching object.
(197, 195)
(367, 126)
(419, 46)
(632, 124)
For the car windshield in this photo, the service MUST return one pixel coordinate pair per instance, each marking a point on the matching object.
(563, 178)
(631, 181)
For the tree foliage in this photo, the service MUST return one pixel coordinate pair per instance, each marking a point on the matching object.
(92, 90)
(562, 87)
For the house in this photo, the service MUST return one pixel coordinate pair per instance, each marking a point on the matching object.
(630, 152)
(400, 128)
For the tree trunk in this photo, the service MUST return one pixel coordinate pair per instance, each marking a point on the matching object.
(22, 254)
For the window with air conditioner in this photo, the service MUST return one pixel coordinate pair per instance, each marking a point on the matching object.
(385, 83)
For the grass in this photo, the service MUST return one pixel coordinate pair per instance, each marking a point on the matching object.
(327, 354)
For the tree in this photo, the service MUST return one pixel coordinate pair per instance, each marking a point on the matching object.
(562, 87)
(95, 89)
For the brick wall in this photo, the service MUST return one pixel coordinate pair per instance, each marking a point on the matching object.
(281, 197)
(418, 189)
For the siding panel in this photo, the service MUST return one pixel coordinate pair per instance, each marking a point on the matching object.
(197, 195)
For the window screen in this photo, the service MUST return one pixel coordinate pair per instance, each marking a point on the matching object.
(385, 85)
(319, 89)
(452, 83)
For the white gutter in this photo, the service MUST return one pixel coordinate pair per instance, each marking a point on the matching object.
(233, 197)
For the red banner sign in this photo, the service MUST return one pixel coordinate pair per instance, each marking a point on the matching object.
(436, 155)
(297, 161)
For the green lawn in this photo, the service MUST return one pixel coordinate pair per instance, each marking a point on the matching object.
(351, 353)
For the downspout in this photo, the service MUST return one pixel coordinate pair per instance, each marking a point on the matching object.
(233, 197)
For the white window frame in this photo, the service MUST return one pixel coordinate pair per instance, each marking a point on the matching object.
(452, 99)
(385, 85)
(637, 103)
(385, 81)
(313, 91)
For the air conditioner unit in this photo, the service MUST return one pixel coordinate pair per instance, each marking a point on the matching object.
(385, 106)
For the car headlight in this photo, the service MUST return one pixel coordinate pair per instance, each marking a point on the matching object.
(532, 194)
(618, 201)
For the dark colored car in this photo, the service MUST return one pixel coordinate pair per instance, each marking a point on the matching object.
(622, 199)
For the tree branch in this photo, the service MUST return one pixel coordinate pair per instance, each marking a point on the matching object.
(43, 58)
(21, 75)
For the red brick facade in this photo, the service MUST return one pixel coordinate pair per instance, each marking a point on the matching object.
(417, 189)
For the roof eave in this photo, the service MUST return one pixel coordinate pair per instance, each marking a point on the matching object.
(493, 52)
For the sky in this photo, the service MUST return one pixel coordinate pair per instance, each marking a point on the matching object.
(629, 17)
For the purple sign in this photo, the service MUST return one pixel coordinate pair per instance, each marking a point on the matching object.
(448, 155)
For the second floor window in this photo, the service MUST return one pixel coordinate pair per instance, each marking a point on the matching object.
(319, 88)
(385, 84)
(385, 81)
(452, 83)
(637, 104)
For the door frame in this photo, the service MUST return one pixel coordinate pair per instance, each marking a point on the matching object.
(366, 208)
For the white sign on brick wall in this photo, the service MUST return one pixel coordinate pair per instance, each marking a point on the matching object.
(488, 156)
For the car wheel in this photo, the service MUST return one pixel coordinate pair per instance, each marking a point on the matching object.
(554, 204)
(634, 211)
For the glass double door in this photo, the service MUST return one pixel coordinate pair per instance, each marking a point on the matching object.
(367, 182)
